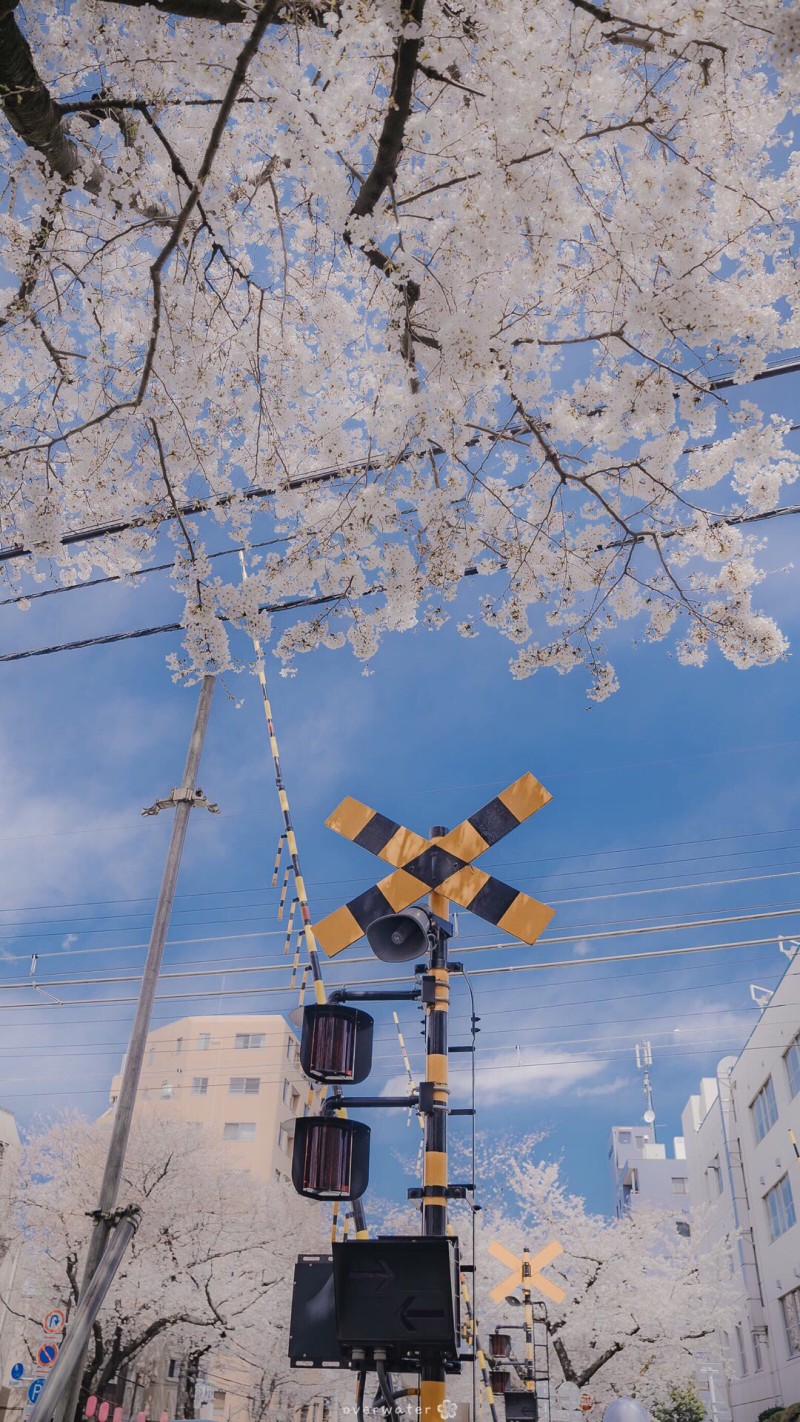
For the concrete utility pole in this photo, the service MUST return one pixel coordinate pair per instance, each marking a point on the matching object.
(184, 798)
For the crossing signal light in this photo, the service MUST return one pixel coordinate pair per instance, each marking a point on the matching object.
(330, 1158)
(336, 1043)
(398, 937)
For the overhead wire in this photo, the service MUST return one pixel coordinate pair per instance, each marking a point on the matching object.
(72, 919)
(509, 968)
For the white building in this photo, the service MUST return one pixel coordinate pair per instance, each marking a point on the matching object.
(744, 1169)
(643, 1174)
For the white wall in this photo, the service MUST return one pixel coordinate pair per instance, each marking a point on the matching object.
(730, 1173)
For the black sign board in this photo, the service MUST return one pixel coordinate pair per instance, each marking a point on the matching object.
(399, 1294)
(521, 1406)
(312, 1329)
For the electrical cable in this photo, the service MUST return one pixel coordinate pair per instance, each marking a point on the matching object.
(371, 981)
(361, 1383)
(385, 1387)
(14, 936)
(168, 1050)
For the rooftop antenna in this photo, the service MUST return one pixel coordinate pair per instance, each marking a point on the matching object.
(760, 995)
(644, 1061)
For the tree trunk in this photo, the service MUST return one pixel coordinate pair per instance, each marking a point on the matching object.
(192, 1376)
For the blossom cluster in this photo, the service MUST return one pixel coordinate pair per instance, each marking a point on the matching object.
(485, 373)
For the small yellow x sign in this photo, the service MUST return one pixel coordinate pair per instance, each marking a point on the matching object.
(535, 1280)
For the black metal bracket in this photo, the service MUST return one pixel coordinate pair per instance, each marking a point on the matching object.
(462, 1111)
(450, 1192)
(368, 995)
(340, 1103)
(470, 1048)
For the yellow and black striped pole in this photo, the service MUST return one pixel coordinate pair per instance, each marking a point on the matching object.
(527, 1274)
(288, 827)
(294, 855)
(434, 1171)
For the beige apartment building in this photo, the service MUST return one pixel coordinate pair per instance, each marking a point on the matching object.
(238, 1076)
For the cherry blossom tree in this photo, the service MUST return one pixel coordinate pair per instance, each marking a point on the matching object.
(207, 1277)
(435, 308)
(640, 1314)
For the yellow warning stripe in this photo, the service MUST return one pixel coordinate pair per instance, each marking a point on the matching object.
(435, 1172)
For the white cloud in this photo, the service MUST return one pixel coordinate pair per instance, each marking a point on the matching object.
(607, 1088)
(69, 940)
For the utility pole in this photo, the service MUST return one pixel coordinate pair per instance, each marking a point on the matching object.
(434, 1178)
(184, 799)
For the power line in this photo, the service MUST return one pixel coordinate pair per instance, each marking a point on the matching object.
(63, 920)
(371, 981)
(539, 859)
(11, 934)
(205, 1070)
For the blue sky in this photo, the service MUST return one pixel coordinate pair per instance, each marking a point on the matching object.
(682, 780)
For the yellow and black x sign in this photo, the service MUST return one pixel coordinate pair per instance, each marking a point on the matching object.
(444, 864)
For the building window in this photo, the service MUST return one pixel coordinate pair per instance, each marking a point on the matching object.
(792, 1060)
(741, 1351)
(624, 1137)
(764, 1109)
(166, 1091)
(684, 1229)
(199, 1085)
(244, 1085)
(714, 1177)
(285, 1139)
(179, 1045)
(172, 1368)
(680, 1185)
(291, 1096)
(780, 1208)
(204, 1041)
(239, 1131)
(758, 1337)
(219, 1399)
(640, 1142)
(248, 1041)
(790, 1307)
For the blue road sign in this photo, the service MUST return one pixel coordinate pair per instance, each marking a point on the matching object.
(17, 1372)
(35, 1389)
(47, 1355)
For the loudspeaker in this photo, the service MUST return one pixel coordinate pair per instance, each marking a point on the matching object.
(397, 937)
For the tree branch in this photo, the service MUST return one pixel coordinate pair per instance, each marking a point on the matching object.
(30, 108)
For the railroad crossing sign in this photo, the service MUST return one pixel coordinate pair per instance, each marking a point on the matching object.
(444, 864)
(536, 1280)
